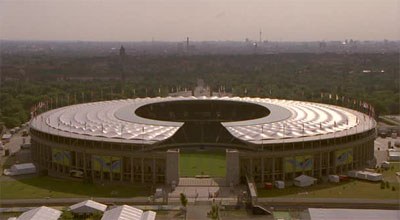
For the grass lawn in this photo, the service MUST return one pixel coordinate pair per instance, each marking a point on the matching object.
(350, 189)
(207, 163)
(41, 187)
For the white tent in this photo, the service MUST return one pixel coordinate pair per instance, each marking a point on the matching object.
(148, 215)
(128, 212)
(304, 180)
(40, 213)
(334, 178)
(394, 155)
(20, 169)
(87, 207)
(279, 184)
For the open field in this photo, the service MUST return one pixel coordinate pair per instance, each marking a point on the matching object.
(350, 189)
(197, 163)
(43, 187)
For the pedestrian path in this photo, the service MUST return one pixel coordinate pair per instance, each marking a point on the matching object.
(188, 181)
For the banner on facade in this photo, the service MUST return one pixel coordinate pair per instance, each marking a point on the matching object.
(106, 163)
(299, 163)
(61, 156)
(344, 156)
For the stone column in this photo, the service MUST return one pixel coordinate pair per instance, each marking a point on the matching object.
(273, 169)
(329, 164)
(132, 174)
(172, 167)
(232, 167)
(142, 166)
(154, 171)
(320, 164)
(84, 164)
(262, 170)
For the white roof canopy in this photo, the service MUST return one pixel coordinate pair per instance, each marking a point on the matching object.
(116, 120)
(88, 206)
(125, 212)
(40, 213)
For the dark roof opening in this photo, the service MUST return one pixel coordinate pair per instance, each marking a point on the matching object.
(202, 110)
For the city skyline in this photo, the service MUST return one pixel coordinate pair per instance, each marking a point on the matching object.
(201, 20)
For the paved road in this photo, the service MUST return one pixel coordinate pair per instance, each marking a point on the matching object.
(70, 201)
(303, 203)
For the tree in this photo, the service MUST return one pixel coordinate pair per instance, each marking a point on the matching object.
(184, 202)
(67, 215)
(214, 213)
(95, 216)
(183, 199)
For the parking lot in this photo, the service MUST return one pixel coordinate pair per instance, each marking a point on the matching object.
(382, 147)
(16, 155)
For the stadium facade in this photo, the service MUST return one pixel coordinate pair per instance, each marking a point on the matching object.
(139, 140)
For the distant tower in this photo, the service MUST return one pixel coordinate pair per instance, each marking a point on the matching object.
(260, 35)
(122, 52)
(122, 56)
(187, 44)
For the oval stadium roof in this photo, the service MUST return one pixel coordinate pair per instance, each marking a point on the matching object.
(116, 121)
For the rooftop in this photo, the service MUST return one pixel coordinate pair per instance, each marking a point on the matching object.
(40, 213)
(350, 214)
(117, 121)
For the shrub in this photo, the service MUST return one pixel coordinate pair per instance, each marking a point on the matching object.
(183, 200)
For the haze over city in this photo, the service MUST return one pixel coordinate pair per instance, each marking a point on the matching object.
(202, 20)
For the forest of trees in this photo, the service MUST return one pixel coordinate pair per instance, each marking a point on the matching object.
(373, 78)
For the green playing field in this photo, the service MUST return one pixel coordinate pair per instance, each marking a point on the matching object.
(202, 163)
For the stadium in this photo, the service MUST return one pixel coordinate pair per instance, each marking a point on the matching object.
(141, 140)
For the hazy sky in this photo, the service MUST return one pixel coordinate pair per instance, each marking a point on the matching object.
(173, 20)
